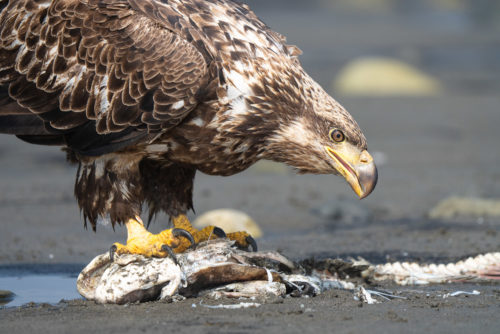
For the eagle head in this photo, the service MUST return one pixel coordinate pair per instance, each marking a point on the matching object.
(317, 135)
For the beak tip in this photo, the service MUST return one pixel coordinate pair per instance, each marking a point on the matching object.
(363, 195)
(368, 177)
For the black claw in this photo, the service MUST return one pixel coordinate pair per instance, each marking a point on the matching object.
(301, 289)
(219, 232)
(251, 243)
(179, 232)
(170, 252)
(112, 251)
(306, 289)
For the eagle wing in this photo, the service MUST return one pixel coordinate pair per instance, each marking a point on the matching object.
(102, 71)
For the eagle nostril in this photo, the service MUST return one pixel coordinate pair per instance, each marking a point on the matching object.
(365, 157)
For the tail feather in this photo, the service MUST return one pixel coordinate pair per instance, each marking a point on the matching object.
(22, 125)
(21, 122)
(54, 140)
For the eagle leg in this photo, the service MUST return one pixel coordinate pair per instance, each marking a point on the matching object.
(242, 239)
(141, 241)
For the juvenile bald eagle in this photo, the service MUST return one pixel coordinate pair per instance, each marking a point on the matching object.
(144, 93)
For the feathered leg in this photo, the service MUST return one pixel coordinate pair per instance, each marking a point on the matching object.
(169, 188)
(165, 188)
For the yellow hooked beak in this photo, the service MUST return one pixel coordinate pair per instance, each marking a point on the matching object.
(359, 170)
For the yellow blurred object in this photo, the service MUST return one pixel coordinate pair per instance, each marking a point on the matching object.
(269, 167)
(230, 221)
(466, 207)
(375, 76)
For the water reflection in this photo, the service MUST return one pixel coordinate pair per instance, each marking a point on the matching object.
(38, 283)
(38, 289)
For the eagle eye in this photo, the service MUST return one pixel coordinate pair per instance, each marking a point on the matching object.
(337, 135)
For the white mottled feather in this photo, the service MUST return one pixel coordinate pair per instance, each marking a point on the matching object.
(178, 105)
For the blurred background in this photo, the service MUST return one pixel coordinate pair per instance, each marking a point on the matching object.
(422, 78)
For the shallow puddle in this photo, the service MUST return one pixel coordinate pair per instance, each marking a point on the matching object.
(38, 284)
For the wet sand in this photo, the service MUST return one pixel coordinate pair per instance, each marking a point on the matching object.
(334, 311)
(427, 148)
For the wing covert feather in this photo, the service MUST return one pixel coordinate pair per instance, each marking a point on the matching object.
(98, 60)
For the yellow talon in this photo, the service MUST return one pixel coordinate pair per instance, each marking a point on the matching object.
(141, 241)
(181, 237)
(243, 239)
